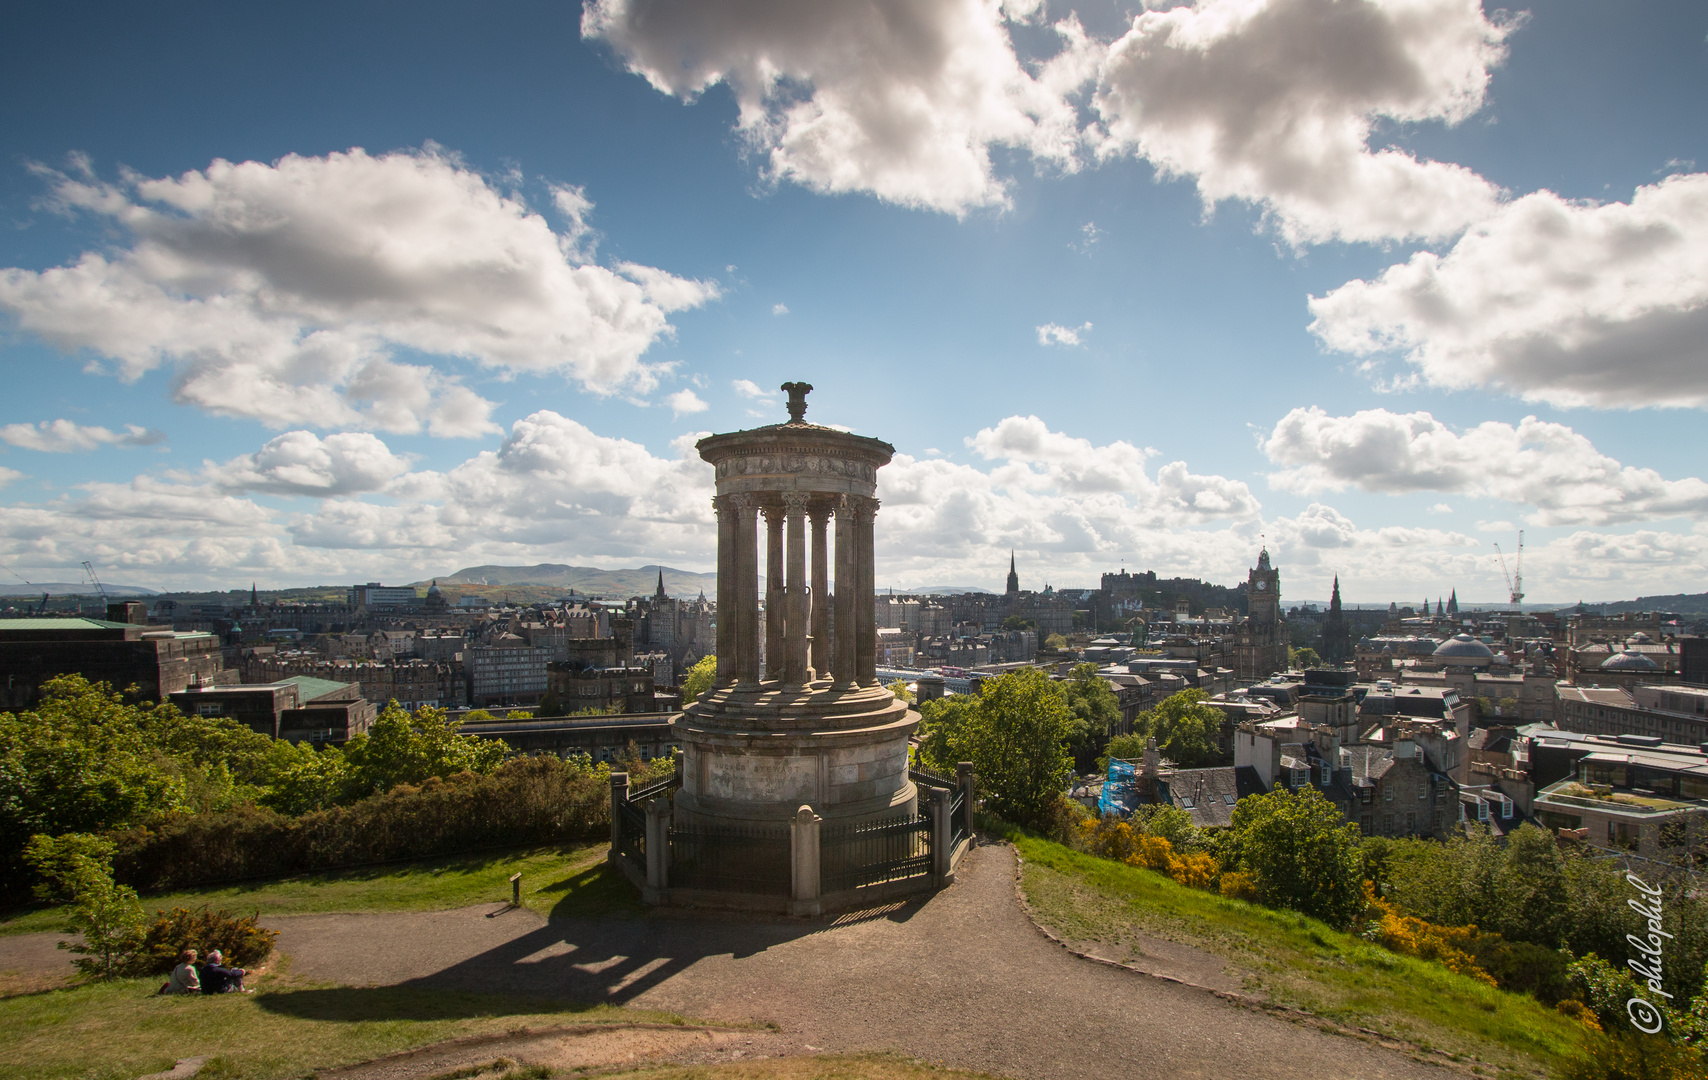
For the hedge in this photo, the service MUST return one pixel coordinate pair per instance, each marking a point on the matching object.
(527, 801)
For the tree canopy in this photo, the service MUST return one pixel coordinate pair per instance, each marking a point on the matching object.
(699, 678)
(1015, 733)
(1187, 731)
(1300, 853)
(1095, 709)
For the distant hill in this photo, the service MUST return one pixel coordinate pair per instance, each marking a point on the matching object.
(66, 588)
(641, 581)
(1680, 603)
(941, 590)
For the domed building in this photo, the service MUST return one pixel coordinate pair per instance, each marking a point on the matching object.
(435, 599)
(1463, 651)
(1629, 659)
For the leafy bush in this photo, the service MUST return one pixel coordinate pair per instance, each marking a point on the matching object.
(1300, 854)
(1624, 1055)
(239, 940)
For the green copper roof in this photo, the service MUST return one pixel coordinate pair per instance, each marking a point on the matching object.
(310, 689)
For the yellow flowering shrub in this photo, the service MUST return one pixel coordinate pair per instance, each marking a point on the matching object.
(1449, 946)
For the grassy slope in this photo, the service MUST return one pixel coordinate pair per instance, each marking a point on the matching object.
(555, 881)
(121, 1030)
(1294, 960)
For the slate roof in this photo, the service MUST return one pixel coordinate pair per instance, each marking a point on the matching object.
(1209, 794)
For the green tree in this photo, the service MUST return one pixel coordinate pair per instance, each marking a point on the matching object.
(311, 779)
(1018, 622)
(1187, 731)
(1055, 642)
(1016, 739)
(1301, 854)
(942, 732)
(86, 760)
(107, 915)
(402, 748)
(900, 690)
(699, 678)
(1303, 658)
(1095, 711)
(550, 705)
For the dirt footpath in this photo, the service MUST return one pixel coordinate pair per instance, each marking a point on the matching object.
(962, 978)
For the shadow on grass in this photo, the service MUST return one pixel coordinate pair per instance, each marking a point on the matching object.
(600, 891)
(355, 1004)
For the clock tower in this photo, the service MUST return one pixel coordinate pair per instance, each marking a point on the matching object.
(1263, 595)
(1262, 647)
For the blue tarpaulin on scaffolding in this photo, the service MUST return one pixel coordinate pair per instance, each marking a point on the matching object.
(1120, 788)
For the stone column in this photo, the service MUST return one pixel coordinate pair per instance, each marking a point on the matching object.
(842, 639)
(795, 594)
(804, 889)
(942, 857)
(774, 585)
(657, 846)
(619, 796)
(866, 617)
(818, 603)
(746, 590)
(727, 605)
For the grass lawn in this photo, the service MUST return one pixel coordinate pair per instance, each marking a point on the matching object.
(558, 882)
(1293, 960)
(120, 1030)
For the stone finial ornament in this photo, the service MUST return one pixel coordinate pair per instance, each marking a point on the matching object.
(797, 392)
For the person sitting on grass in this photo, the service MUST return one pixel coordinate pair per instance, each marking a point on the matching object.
(219, 979)
(185, 979)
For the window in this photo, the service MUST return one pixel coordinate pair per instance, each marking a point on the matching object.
(1328, 774)
(1411, 823)
(1387, 794)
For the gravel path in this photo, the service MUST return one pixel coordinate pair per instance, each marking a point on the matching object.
(962, 978)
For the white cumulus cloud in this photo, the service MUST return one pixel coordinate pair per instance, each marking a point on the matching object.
(1565, 302)
(1056, 334)
(1544, 465)
(280, 291)
(67, 436)
(1274, 101)
(685, 401)
(303, 463)
(899, 98)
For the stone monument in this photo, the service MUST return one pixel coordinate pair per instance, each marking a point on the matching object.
(811, 726)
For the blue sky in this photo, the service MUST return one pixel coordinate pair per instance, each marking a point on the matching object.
(1063, 258)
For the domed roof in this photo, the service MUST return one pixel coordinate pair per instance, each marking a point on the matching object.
(1629, 660)
(1463, 649)
(1639, 638)
(433, 590)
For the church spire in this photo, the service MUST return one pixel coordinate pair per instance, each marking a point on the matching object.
(1013, 575)
(1453, 602)
(659, 595)
(1334, 600)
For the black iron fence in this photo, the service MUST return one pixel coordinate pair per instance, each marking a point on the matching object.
(753, 860)
(869, 853)
(631, 832)
(800, 861)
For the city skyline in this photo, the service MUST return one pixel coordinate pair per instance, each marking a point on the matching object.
(313, 295)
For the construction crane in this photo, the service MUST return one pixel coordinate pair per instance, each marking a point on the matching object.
(1515, 579)
(102, 589)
